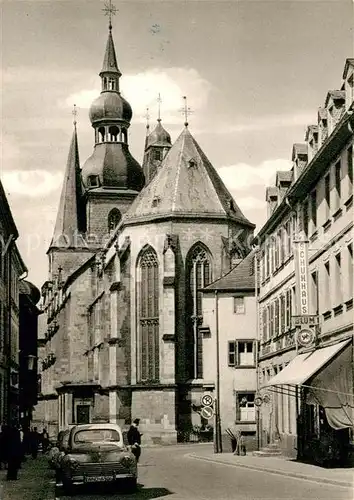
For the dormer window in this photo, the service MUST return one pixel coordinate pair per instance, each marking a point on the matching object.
(157, 154)
(331, 118)
(93, 181)
(232, 206)
(155, 202)
(350, 90)
(192, 162)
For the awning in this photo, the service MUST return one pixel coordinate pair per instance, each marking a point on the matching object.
(305, 365)
(327, 375)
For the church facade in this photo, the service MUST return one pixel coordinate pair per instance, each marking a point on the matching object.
(132, 248)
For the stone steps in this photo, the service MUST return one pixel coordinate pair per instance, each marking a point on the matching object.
(271, 450)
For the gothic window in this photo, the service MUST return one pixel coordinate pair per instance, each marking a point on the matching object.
(148, 316)
(198, 276)
(113, 134)
(114, 217)
(157, 154)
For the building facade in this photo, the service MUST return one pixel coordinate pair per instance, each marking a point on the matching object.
(306, 289)
(229, 305)
(131, 248)
(12, 268)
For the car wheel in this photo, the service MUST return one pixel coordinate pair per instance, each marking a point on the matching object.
(130, 485)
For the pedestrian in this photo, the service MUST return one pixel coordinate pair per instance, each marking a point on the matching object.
(13, 451)
(45, 440)
(134, 439)
(231, 432)
(240, 446)
(34, 442)
(2, 446)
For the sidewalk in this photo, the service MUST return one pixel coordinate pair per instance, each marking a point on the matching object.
(282, 466)
(35, 482)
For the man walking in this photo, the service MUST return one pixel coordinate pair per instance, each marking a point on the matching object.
(134, 438)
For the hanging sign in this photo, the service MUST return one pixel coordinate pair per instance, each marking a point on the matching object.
(301, 272)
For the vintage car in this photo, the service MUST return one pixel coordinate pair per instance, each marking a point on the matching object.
(96, 453)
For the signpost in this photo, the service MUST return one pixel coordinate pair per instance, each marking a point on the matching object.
(207, 400)
(207, 412)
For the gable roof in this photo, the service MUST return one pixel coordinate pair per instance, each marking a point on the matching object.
(185, 185)
(241, 277)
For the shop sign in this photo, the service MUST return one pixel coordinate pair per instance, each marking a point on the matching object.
(305, 320)
(301, 272)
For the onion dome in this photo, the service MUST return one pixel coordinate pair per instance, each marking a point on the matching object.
(159, 136)
(108, 106)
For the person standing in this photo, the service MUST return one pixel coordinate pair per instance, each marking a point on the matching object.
(34, 442)
(134, 438)
(13, 452)
(45, 440)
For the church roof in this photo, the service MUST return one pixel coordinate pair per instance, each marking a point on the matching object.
(67, 224)
(185, 185)
(241, 277)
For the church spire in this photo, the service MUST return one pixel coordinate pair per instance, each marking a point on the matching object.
(110, 73)
(69, 218)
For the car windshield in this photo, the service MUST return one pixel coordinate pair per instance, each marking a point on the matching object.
(96, 435)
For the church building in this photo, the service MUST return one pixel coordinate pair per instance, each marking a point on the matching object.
(131, 251)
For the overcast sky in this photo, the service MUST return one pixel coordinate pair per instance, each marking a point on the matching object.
(255, 73)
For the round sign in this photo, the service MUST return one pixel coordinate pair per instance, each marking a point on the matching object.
(207, 400)
(207, 412)
(258, 401)
(306, 337)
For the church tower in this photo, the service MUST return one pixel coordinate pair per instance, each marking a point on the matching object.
(157, 145)
(68, 249)
(111, 177)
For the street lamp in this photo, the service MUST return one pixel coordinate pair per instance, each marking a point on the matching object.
(31, 362)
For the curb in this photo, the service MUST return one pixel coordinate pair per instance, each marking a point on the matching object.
(295, 475)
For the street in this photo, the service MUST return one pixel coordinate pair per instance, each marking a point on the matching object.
(172, 473)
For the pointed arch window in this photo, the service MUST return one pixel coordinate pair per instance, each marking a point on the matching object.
(148, 317)
(198, 276)
(114, 218)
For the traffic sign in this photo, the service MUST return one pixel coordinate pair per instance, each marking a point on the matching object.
(207, 412)
(207, 400)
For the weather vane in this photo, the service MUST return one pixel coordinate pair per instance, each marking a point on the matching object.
(110, 10)
(147, 116)
(74, 112)
(186, 111)
(159, 101)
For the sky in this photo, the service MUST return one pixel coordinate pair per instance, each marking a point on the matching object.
(254, 72)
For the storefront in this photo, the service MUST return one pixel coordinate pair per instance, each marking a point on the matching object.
(321, 381)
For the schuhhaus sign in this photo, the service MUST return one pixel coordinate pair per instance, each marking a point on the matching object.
(301, 273)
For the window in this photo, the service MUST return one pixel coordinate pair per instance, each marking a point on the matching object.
(327, 276)
(293, 301)
(114, 217)
(239, 305)
(288, 309)
(338, 278)
(111, 84)
(148, 316)
(337, 179)
(267, 259)
(271, 328)
(113, 134)
(198, 276)
(282, 314)
(314, 210)
(245, 407)
(265, 325)
(241, 353)
(93, 181)
(350, 169)
(276, 317)
(288, 238)
(276, 252)
(157, 154)
(328, 192)
(315, 296)
(350, 271)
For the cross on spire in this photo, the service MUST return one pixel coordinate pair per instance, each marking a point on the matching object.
(186, 111)
(159, 101)
(109, 10)
(147, 116)
(74, 113)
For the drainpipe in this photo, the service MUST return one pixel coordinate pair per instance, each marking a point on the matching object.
(8, 337)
